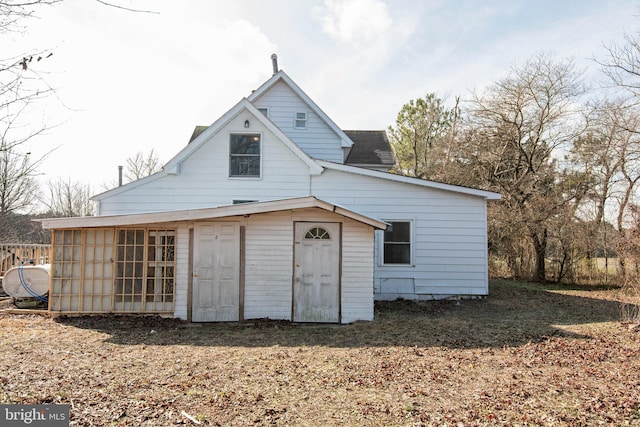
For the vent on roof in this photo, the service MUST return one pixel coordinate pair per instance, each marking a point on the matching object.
(274, 62)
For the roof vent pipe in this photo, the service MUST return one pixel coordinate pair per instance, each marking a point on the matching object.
(119, 176)
(274, 62)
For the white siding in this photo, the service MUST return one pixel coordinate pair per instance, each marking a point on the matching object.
(357, 273)
(268, 266)
(318, 140)
(449, 234)
(182, 272)
(204, 179)
(357, 264)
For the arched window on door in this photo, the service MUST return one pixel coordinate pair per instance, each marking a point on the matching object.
(317, 233)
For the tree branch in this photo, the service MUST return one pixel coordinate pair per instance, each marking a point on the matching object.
(126, 8)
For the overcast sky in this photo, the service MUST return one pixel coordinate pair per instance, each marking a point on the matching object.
(131, 82)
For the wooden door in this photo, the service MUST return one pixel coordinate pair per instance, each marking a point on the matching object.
(216, 271)
(316, 287)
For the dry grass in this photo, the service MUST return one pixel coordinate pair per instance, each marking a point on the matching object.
(527, 355)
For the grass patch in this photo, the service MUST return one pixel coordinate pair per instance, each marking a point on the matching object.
(526, 355)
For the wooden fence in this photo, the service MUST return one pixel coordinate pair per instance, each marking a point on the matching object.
(14, 254)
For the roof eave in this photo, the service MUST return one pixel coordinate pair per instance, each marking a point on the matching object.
(206, 213)
(488, 195)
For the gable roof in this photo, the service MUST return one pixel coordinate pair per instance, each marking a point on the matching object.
(172, 167)
(207, 213)
(488, 195)
(282, 76)
(370, 147)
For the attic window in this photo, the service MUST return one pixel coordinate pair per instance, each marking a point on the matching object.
(264, 111)
(301, 121)
(244, 155)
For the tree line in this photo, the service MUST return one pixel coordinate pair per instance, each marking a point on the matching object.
(564, 157)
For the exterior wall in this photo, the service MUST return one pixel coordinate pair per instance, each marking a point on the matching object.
(449, 243)
(86, 270)
(317, 140)
(182, 271)
(356, 293)
(449, 246)
(357, 289)
(84, 283)
(269, 265)
(204, 180)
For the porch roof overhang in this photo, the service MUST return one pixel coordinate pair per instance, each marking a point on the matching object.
(207, 213)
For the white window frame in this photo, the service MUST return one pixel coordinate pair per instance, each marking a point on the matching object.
(411, 243)
(302, 120)
(229, 156)
(264, 111)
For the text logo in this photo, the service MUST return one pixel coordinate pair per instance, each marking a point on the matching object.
(34, 415)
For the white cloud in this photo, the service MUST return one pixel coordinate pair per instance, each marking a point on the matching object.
(355, 22)
(368, 35)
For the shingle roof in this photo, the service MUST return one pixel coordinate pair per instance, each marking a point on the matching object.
(370, 147)
(196, 132)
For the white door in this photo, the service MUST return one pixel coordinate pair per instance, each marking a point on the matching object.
(216, 271)
(316, 287)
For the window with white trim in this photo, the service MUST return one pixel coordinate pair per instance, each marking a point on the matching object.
(244, 155)
(301, 120)
(396, 245)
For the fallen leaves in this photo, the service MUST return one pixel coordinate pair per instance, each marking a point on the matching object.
(431, 363)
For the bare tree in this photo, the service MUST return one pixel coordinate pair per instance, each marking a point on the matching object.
(19, 190)
(142, 165)
(138, 166)
(67, 198)
(517, 129)
(21, 87)
(629, 248)
(621, 65)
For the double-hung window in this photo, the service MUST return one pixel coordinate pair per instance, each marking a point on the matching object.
(244, 155)
(301, 120)
(396, 247)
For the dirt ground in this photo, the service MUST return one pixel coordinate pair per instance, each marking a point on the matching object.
(525, 356)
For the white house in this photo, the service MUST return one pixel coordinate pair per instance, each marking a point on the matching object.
(274, 212)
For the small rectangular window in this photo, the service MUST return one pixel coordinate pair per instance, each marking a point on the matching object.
(301, 121)
(244, 155)
(397, 243)
(264, 111)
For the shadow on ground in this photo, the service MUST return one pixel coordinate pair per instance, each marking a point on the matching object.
(514, 314)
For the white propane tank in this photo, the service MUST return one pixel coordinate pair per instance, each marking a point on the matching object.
(27, 281)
